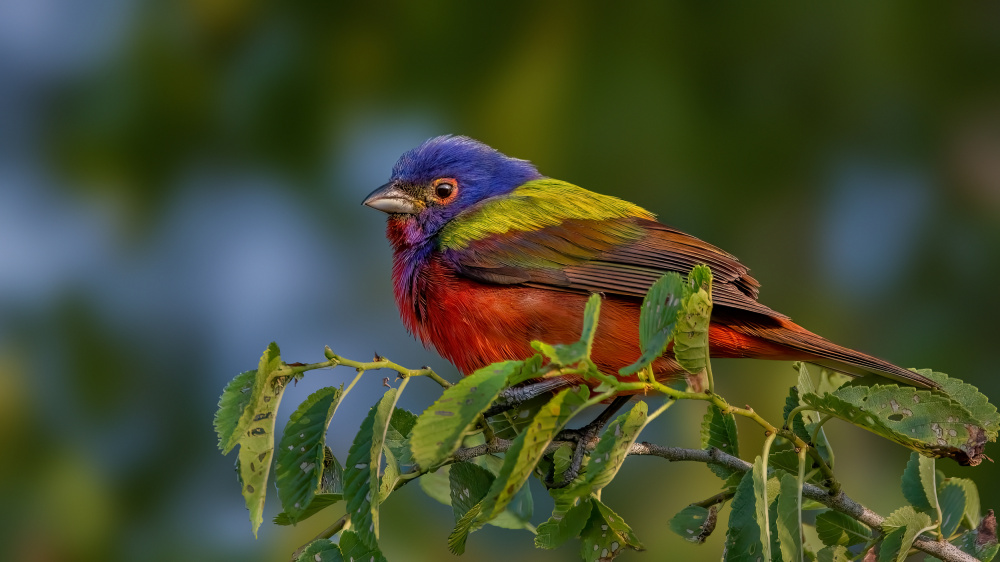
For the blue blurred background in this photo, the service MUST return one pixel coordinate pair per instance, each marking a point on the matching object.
(180, 185)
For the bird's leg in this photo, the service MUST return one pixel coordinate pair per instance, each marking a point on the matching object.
(511, 398)
(585, 438)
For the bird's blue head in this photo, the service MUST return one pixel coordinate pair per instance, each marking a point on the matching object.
(444, 176)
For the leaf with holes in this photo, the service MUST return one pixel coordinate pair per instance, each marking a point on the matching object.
(605, 461)
(695, 523)
(743, 535)
(318, 503)
(609, 454)
(719, 430)
(469, 484)
(525, 452)
(923, 420)
(657, 318)
(255, 431)
(691, 330)
(952, 498)
(606, 535)
(836, 528)
(233, 401)
(355, 549)
(556, 531)
(438, 432)
(321, 550)
(981, 542)
(465, 526)
(971, 399)
(567, 354)
(361, 478)
(789, 518)
(298, 467)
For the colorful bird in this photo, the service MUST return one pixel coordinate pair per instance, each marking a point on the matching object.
(489, 254)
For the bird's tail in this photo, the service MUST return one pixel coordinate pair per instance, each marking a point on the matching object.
(763, 337)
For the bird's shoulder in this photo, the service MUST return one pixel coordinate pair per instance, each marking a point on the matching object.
(531, 207)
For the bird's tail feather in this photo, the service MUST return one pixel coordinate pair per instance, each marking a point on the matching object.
(779, 338)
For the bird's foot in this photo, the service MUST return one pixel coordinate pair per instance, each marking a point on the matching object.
(513, 397)
(585, 439)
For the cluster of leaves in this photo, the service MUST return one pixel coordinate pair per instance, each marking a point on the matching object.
(480, 465)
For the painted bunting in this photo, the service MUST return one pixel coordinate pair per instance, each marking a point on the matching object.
(489, 254)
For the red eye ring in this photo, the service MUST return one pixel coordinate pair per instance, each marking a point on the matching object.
(445, 189)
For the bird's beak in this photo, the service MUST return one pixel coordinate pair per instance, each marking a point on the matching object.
(391, 199)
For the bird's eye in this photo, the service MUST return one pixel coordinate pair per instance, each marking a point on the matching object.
(444, 188)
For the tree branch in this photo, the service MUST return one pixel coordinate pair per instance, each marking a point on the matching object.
(839, 502)
(945, 551)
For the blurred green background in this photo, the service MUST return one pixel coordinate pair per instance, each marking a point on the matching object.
(180, 185)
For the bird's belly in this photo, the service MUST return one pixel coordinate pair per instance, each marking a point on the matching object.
(473, 324)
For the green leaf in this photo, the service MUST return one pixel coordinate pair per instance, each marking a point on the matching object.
(836, 528)
(233, 401)
(508, 425)
(719, 430)
(530, 368)
(972, 507)
(789, 520)
(923, 420)
(298, 467)
(321, 550)
(566, 354)
(971, 399)
(437, 484)
(458, 537)
(561, 460)
(606, 535)
(439, 430)
(610, 452)
(255, 431)
(656, 320)
(469, 484)
(695, 523)
(318, 503)
(555, 532)
(911, 523)
(743, 542)
(833, 554)
(605, 460)
(524, 453)
(914, 487)
(397, 436)
(691, 331)
(332, 481)
(361, 479)
(518, 513)
(355, 549)
(760, 500)
(805, 423)
(892, 546)
(952, 497)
